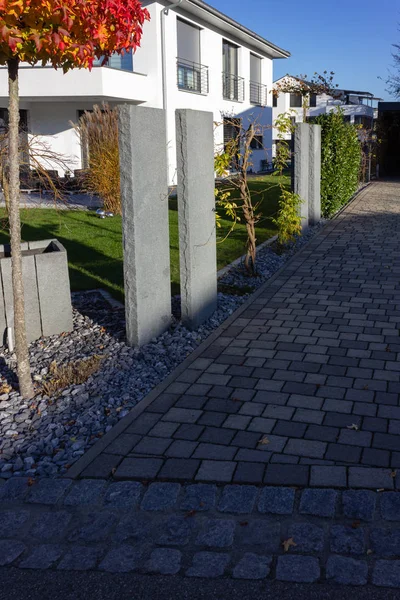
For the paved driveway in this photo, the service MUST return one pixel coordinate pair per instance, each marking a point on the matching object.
(300, 387)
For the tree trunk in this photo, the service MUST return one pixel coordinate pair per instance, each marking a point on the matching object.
(21, 345)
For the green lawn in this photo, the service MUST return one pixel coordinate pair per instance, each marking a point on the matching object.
(95, 249)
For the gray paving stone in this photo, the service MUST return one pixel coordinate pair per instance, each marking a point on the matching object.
(238, 499)
(325, 476)
(13, 521)
(152, 446)
(386, 573)
(182, 415)
(278, 501)
(318, 502)
(10, 550)
(85, 492)
(252, 566)
(161, 496)
(14, 490)
(257, 532)
(216, 470)
(141, 468)
(355, 438)
(42, 557)
(346, 540)
(48, 491)
(134, 528)
(179, 468)
(94, 527)
(347, 571)
(364, 477)
(80, 558)
(300, 569)
(278, 474)
(307, 448)
(208, 564)
(359, 504)
(176, 530)
(123, 494)
(385, 542)
(165, 561)
(122, 559)
(199, 497)
(307, 537)
(390, 506)
(248, 472)
(51, 525)
(217, 533)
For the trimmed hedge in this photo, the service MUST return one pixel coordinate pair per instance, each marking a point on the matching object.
(341, 159)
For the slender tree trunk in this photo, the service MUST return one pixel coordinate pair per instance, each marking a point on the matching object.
(21, 345)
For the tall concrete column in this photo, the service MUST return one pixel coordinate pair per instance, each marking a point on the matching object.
(314, 197)
(196, 206)
(144, 195)
(301, 169)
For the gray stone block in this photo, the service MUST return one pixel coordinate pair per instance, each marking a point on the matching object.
(12, 522)
(123, 494)
(238, 499)
(80, 558)
(176, 531)
(346, 540)
(85, 492)
(278, 501)
(314, 187)
(321, 503)
(300, 569)
(301, 169)
(164, 561)
(199, 497)
(385, 542)
(257, 532)
(161, 496)
(53, 287)
(347, 571)
(217, 533)
(42, 557)
(386, 573)
(144, 195)
(121, 560)
(307, 537)
(48, 491)
(94, 527)
(390, 506)
(252, 566)
(196, 208)
(10, 550)
(51, 525)
(359, 504)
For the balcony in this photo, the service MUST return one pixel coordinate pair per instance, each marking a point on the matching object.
(101, 84)
(233, 87)
(258, 94)
(192, 77)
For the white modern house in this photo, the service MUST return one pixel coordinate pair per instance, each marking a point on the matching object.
(192, 56)
(359, 108)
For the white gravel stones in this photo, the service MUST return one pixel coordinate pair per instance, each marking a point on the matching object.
(43, 437)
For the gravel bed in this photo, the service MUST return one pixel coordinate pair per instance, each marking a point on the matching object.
(43, 437)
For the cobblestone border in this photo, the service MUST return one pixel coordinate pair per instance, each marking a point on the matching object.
(81, 465)
(202, 530)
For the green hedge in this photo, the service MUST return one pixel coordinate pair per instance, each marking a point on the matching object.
(341, 159)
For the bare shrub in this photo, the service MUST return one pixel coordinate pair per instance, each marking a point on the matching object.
(73, 373)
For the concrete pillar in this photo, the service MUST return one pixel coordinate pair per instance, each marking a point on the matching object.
(144, 195)
(314, 197)
(301, 169)
(307, 171)
(196, 206)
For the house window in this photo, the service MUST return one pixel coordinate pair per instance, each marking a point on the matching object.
(257, 143)
(255, 68)
(232, 126)
(274, 101)
(192, 76)
(313, 100)
(296, 101)
(23, 120)
(121, 62)
(233, 85)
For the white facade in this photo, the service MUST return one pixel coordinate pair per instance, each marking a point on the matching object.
(162, 79)
(357, 107)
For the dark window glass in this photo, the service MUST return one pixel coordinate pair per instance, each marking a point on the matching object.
(295, 101)
(313, 100)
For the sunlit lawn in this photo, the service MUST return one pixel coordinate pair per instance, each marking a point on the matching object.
(94, 245)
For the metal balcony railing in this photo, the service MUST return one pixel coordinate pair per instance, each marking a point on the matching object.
(192, 77)
(258, 94)
(233, 87)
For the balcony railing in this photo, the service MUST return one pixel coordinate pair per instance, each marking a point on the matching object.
(233, 87)
(192, 77)
(258, 94)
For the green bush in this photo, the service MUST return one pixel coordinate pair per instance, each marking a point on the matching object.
(341, 159)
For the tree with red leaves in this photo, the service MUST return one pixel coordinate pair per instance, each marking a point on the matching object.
(66, 34)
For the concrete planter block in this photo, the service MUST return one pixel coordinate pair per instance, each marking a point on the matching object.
(48, 309)
(144, 194)
(307, 171)
(196, 207)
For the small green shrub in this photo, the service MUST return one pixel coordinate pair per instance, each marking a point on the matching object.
(341, 159)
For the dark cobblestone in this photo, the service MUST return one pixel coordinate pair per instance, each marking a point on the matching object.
(252, 566)
(345, 540)
(307, 537)
(300, 569)
(85, 492)
(48, 491)
(208, 564)
(42, 557)
(199, 497)
(10, 550)
(160, 496)
(320, 503)
(123, 494)
(12, 521)
(121, 560)
(277, 501)
(390, 506)
(217, 533)
(386, 573)
(359, 504)
(165, 561)
(238, 499)
(80, 558)
(347, 571)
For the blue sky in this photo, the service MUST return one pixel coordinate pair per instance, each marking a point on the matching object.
(352, 38)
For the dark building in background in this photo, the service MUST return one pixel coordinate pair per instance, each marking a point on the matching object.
(389, 136)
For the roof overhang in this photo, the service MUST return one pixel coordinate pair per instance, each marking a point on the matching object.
(210, 15)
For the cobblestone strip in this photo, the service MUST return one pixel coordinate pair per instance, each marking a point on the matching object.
(347, 537)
